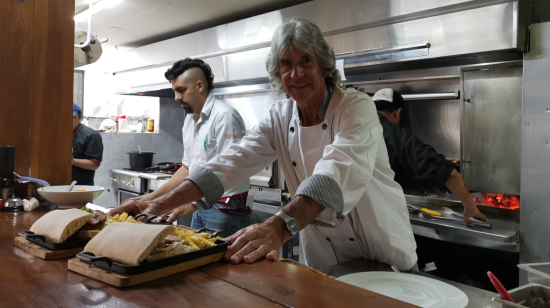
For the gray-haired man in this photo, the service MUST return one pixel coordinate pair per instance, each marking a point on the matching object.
(329, 145)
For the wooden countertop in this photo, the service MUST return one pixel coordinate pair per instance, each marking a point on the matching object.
(27, 281)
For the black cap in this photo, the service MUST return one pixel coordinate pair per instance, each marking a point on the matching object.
(386, 98)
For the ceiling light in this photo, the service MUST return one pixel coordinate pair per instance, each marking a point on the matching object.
(98, 6)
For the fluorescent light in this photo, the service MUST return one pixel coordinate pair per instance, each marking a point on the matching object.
(98, 6)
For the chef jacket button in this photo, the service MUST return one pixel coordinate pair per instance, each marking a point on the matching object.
(292, 129)
(324, 126)
(294, 163)
(328, 239)
(352, 239)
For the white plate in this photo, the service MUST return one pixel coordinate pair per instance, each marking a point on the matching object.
(59, 195)
(413, 289)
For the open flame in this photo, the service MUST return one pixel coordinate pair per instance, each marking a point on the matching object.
(510, 202)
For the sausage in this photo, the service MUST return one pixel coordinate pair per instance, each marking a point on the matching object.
(170, 239)
(167, 241)
(95, 222)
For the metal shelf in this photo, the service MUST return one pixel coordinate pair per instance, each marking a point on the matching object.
(502, 231)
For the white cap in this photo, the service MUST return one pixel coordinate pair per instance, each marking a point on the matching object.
(384, 95)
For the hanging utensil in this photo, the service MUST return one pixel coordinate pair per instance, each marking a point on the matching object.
(71, 186)
(139, 148)
(500, 288)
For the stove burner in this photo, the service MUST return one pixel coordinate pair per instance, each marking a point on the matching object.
(135, 169)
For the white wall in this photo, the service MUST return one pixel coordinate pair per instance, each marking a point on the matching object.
(100, 87)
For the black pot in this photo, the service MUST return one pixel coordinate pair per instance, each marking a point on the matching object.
(140, 161)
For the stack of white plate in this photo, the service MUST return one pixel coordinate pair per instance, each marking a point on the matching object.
(413, 289)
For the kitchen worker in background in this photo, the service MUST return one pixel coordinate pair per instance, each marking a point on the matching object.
(87, 150)
(413, 161)
(329, 145)
(210, 128)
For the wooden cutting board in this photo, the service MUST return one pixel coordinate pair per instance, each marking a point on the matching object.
(44, 253)
(119, 280)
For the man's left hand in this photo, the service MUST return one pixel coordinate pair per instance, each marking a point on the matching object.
(136, 206)
(180, 212)
(257, 241)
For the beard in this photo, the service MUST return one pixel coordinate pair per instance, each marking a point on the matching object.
(186, 107)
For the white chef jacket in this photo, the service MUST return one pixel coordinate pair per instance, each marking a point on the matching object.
(365, 214)
(218, 127)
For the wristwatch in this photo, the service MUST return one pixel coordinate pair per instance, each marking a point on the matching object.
(291, 224)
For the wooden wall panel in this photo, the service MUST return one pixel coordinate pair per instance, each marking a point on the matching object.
(16, 33)
(51, 130)
(36, 80)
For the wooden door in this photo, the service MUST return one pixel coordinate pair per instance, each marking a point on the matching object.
(16, 71)
(36, 73)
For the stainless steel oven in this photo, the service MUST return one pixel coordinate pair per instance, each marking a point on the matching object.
(127, 184)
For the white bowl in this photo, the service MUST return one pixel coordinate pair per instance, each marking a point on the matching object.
(64, 199)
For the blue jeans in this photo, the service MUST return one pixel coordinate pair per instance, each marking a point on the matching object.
(216, 219)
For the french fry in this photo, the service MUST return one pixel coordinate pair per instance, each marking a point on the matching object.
(207, 243)
(131, 220)
(197, 241)
(189, 242)
(203, 235)
(116, 217)
(213, 240)
(123, 217)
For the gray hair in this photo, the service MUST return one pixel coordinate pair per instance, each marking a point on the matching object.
(307, 37)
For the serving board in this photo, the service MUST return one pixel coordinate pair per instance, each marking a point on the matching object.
(119, 280)
(45, 253)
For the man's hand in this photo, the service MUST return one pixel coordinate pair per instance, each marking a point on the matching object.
(183, 194)
(131, 200)
(135, 206)
(257, 241)
(470, 211)
(181, 212)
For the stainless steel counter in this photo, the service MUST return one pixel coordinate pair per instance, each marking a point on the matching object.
(155, 176)
(504, 234)
(501, 231)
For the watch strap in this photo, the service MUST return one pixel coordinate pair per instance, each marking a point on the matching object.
(291, 224)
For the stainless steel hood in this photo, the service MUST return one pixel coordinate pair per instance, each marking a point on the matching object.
(363, 33)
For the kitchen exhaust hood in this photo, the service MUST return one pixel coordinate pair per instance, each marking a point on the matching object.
(387, 32)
